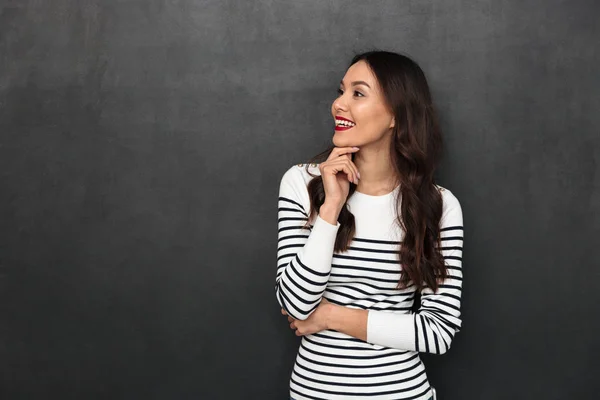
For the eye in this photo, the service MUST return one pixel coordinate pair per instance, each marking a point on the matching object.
(358, 94)
(340, 92)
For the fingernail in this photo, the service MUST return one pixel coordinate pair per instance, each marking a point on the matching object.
(358, 173)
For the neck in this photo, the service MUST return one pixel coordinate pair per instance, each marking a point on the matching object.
(377, 173)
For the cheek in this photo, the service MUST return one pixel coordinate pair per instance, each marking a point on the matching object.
(372, 116)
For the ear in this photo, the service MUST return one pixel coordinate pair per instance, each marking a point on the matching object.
(393, 123)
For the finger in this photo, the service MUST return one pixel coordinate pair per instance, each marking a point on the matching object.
(283, 312)
(354, 168)
(345, 152)
(336, 166)
(290, 319)
(342, 165)
(339, 151)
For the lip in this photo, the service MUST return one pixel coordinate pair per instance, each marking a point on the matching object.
(343, 128)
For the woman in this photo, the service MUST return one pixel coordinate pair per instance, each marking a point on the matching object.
(341, 221)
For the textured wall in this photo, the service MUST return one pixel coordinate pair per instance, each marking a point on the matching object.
(141, 147)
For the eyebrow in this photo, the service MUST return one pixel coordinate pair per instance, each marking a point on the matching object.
(357, 83)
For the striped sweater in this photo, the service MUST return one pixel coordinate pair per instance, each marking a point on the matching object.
(333, 365)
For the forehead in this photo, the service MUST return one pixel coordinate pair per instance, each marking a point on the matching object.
(360, 71)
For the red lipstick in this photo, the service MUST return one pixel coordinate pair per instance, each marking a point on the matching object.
(342, 127)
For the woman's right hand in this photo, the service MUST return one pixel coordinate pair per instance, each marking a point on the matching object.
(337, 173)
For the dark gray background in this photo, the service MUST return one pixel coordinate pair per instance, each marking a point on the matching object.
(142, 143)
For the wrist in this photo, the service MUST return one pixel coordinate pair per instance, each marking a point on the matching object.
(331, 315)
(348, 320)
(332, 205)
(330, 212)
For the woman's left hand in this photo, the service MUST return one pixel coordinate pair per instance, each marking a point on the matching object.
(316, 322)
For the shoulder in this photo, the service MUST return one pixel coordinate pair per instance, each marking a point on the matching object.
(294, 182)
(452, 210)
(449, 199)
(297, 174)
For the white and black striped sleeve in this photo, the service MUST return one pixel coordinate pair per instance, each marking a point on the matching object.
(432, 328)
(304, 256)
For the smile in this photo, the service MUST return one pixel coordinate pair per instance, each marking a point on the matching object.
(342, 124)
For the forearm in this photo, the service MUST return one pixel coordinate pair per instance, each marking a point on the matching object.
(385, 329)
(351, 321)
(303, 274)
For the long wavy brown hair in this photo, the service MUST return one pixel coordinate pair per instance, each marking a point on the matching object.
(416, 149)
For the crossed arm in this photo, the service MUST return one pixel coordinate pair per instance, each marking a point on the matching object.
(347, 320)
(304, 264)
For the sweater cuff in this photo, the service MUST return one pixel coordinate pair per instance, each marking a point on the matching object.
(320, 221)
(390, 329)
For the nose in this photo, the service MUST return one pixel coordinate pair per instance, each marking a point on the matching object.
(339, 104)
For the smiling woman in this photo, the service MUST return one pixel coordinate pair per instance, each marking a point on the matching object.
(361, 107)
(362, 228)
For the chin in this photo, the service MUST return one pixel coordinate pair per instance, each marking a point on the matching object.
(337, 142)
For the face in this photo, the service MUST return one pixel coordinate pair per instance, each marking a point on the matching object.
(360, 113)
